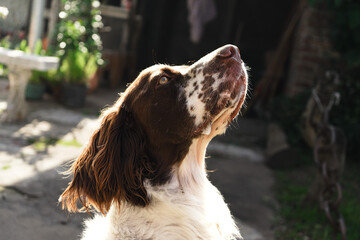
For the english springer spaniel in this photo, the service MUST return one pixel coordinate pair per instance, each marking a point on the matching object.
(144, 167)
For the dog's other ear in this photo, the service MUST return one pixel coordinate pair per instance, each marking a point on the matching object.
(112, 166)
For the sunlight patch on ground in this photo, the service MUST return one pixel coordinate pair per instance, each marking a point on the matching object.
(3, 106)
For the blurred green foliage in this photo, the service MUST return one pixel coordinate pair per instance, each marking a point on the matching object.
(303, 221)
(346, 28)
(287, 111)
(37, 77)
(5, 43)
(78, 43)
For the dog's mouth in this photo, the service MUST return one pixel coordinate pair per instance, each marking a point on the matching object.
(229, 100)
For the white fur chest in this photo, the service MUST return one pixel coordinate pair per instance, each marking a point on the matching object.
(188, 207)
(172, 214)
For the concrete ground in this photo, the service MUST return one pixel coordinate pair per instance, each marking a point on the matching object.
(30, 179)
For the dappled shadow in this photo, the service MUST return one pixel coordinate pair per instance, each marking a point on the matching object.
(29, 209)
(30, 182)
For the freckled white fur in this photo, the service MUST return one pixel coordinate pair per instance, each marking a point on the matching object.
(194, 105)
(187, 207)
(194, 101)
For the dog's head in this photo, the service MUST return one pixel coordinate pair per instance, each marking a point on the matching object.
(152, 125)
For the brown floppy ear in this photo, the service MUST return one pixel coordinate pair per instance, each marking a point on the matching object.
(112, 167)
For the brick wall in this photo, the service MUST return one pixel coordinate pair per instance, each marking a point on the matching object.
(311, 51)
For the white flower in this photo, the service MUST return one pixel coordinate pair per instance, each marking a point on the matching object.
(96, 4)
(97, 17)
(4, 11)
(95, 37)
(60, 36)
(62, 14)
(82, 29)
(62, 45)
(67, 6)
(77, 24)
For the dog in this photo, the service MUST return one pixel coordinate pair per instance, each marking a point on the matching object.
(144, 167)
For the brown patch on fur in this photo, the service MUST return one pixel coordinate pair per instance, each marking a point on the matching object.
(137, 140)
(207, 83)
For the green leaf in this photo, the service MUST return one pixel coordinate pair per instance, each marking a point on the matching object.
(23, 46)
(38, 47)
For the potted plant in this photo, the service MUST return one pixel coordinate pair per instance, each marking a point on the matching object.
(78, 46)
(35, 87)
(76, 68)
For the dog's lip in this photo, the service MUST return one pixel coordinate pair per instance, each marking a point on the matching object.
(238, 107)
(238, 60)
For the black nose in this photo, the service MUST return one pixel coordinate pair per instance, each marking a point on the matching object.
(229, 51)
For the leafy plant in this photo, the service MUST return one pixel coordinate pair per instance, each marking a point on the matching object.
(5, 43)
(37, 77)
(77, 66)
(78, 43)
(23, 46)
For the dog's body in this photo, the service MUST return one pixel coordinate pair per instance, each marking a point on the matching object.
(144, 168)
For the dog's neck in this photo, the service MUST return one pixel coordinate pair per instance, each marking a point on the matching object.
(187, 197)
(191, 173)
(192, 170)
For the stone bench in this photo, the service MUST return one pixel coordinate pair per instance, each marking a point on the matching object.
(20, 65)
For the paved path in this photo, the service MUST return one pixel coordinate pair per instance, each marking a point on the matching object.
(30, 183)
(237, 160)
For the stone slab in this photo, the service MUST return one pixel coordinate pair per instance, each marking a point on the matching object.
(24, 60)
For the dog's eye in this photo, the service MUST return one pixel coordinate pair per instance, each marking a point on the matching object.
(163, 80)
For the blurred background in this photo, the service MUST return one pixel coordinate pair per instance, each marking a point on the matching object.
(288, 166)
